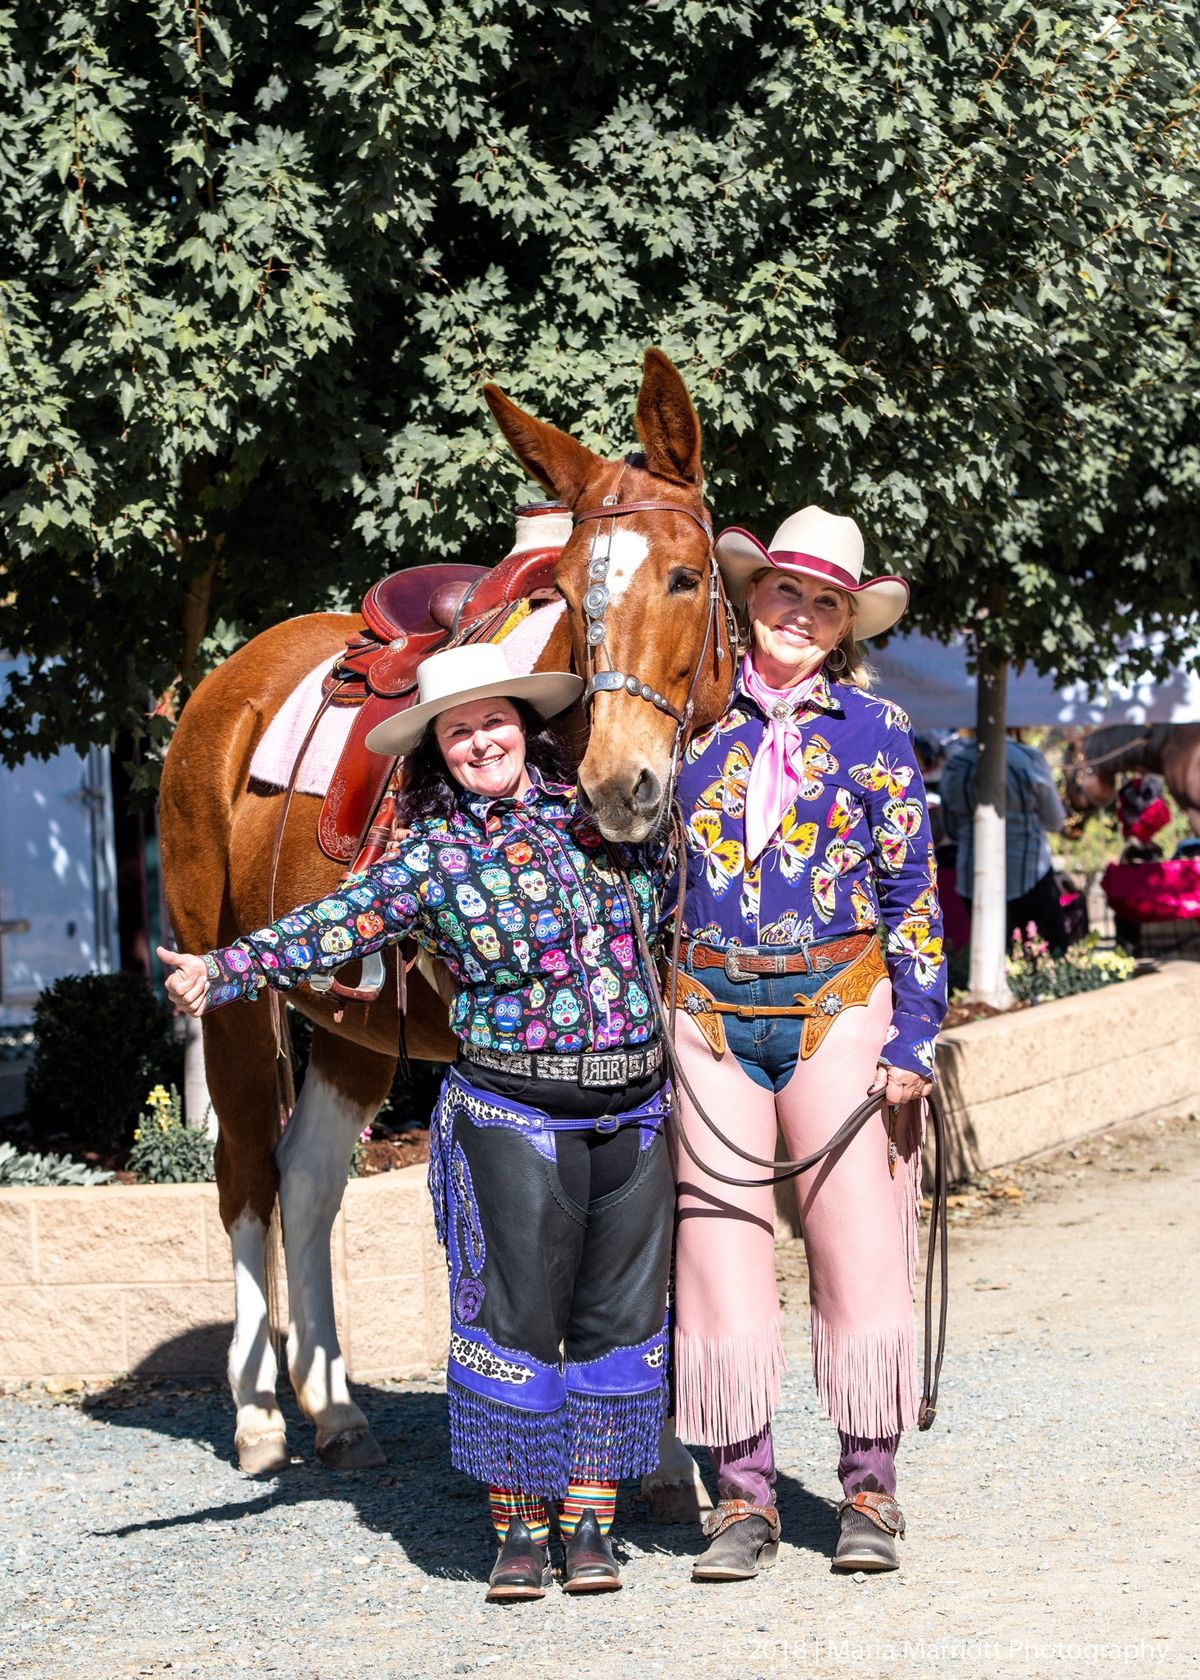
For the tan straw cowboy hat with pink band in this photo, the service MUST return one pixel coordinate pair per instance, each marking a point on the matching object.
(814, 544)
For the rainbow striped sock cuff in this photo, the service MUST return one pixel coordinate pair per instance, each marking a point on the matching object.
(505, 1504)
(600, 1497)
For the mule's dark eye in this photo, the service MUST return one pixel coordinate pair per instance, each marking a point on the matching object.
(683, 582)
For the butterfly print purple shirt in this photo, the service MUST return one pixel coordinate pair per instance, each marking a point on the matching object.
(853, 852)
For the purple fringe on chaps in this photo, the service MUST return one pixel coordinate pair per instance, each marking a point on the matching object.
(603, 1438)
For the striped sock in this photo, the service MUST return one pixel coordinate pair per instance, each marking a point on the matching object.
(600, 1497)
(505, 1504)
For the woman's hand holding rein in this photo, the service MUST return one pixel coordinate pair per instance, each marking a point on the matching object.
(902, 1086)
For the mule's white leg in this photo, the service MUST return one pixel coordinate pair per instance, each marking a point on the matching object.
(675, 1492)
(260, 1438)
(312, 1156)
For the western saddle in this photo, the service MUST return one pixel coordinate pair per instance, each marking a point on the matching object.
(408, 616)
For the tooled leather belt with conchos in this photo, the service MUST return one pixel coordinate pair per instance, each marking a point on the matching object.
(853, 986)
(814, 957)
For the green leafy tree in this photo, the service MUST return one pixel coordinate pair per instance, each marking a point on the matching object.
(927, 264)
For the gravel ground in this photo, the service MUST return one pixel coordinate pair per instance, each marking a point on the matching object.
(1051, 1510)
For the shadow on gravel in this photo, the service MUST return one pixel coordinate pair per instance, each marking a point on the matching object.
(437, 1516)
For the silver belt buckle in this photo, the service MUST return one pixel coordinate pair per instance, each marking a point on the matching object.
(733, 970)
(604, 1067)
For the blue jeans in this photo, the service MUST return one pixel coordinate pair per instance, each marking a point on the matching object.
(767, 1047)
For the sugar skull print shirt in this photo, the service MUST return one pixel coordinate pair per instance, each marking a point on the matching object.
(519, 898)
(854, 851)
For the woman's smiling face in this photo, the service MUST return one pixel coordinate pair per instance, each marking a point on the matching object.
(483, 744)
(795, 621)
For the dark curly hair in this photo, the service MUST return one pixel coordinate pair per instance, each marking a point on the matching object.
(429, 793)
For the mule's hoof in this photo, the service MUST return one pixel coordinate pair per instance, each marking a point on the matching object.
(676, 1502)
(352, 1449)
(263, 1455)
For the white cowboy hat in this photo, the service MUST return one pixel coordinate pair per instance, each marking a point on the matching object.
(815, 544)
(458, 675)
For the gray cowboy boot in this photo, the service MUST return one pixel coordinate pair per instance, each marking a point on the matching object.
(868, 1525)
(744, 1538)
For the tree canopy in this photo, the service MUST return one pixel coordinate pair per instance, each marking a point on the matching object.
(929, 264)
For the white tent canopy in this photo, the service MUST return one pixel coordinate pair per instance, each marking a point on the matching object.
(931, 681)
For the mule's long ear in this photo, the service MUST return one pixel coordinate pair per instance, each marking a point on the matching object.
(667, 422)
(547, 454)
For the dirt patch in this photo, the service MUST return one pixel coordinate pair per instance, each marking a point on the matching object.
(962, 1014)
(404, 1149)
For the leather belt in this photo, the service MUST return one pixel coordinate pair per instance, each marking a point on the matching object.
(594, 1068)
(817, 957)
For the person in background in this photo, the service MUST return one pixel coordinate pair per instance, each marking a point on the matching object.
(1033, 810)
(930, 750)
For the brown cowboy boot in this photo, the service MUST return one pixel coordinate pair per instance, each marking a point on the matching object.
(744, 1538)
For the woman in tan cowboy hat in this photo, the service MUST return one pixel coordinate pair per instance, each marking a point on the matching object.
(550, 1179)
(811, 973)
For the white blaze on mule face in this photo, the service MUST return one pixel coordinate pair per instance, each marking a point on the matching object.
(625, 550)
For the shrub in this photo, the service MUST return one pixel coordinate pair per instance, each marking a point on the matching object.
(1035, 976)
(101, 1041)
(165, 1149)
(17, 1170)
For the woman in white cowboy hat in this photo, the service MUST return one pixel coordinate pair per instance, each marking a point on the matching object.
(812, 972)
(550, 1178)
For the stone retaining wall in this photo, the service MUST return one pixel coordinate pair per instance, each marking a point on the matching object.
(137, 1278)
(95, 1282)
(1019, 1084)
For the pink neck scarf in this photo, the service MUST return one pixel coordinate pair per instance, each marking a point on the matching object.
(778, 767)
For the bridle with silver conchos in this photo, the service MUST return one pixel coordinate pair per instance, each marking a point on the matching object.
(595, 606)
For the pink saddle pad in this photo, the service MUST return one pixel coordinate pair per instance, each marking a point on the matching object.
(271, 766)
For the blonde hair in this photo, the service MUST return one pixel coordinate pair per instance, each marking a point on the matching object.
(856, 673)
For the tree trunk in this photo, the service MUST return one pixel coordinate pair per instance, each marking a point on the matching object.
(989, 922)
(198, 587)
